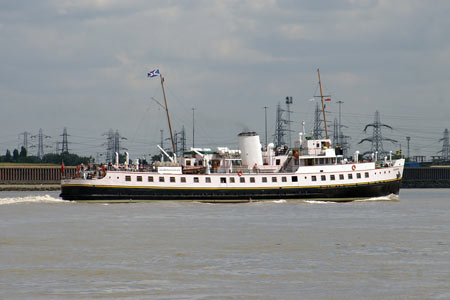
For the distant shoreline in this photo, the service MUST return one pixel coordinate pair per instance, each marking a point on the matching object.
(30, 187)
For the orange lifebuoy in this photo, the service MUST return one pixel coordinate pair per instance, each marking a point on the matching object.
(353, 167)
(240, 172)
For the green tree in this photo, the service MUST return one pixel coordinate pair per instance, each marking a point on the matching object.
(23, 152)
(68, 158)
(15, 155)
(31, 160)
(7, 156)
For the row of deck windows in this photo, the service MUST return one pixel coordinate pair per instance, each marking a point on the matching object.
(341, 176)
(172, 179)
(208, 179)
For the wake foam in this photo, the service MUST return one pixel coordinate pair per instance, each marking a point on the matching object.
(391, 197)
(279, 201)
(31, 199)
(319, 202)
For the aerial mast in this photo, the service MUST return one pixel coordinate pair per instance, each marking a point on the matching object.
(167, 112)
(193, 127)
(323, 105)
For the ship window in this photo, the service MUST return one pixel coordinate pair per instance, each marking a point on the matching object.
(150, 179)
(188, 162)
(231, 179)
(161, 179)
(313, 178)
(196, 180)
(172, 179)
(350, 176)
(223, 180)
(366, 174)
(274, 179)
(278, 162)
(341, 176)
(252, 179)
(242, 180)
(208, 179)
(139, 178)
(332, 177)
(284, 179)
(323, 177)
(183, 179)
(264, 179)
(127, 178)
(358, 175)
(294, 179)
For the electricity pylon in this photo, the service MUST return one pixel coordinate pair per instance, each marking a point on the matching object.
(377, 138)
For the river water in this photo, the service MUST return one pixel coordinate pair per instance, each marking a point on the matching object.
(375, 249)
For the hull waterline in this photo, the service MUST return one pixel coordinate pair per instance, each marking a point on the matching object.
(136, 194)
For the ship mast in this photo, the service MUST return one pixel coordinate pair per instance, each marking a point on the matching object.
(167, 112)
(323, 105)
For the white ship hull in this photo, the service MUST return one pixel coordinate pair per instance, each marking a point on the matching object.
(339, 182)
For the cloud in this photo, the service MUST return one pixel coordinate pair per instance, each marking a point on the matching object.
(231, 57)
(294, 32)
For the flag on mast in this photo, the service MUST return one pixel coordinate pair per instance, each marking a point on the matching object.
(327, 99)
(153, 73)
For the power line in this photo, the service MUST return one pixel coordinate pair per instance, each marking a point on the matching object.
(445, 146)
(377, 137)
(65, 143)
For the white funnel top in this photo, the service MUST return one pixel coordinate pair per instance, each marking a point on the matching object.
(250, 147)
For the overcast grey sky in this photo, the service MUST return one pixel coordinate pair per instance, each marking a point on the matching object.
(82, 64)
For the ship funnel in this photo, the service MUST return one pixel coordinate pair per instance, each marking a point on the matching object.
(117, 160)
(356, 156)
(250, 147)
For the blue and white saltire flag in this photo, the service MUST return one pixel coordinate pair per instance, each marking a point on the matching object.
(153, 73)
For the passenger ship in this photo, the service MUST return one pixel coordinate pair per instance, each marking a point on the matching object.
(313, 169)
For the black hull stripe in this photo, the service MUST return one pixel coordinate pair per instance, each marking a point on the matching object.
(90, 192)
(226, 188)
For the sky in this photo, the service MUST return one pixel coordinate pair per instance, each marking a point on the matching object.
(82, 64)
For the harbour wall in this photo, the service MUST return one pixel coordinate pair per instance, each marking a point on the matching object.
(33, 174)
(433, 177)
